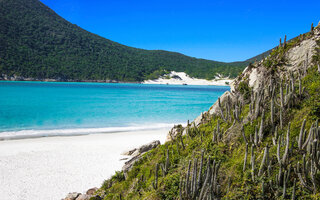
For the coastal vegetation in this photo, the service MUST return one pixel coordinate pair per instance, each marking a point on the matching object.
(37, 43)
(259, 141)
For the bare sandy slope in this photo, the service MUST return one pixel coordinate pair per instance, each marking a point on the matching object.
(50, 167)
(186, 79)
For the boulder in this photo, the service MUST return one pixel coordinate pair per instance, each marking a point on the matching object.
(128, 165)
(137, 155)
(92, 191)
(146, 147)
(84, 197)
(72, 196)
(174, 132)
(149, 146)
(128, 153)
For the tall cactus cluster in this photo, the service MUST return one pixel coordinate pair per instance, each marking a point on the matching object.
(277, 177)
(260, 142)
(199, 183)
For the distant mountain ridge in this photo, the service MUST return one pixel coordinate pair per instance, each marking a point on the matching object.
(37, 43)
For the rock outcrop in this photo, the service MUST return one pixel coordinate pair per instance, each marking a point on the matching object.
(78, 196)
(72, 196)
(137, 154)
(176, 129)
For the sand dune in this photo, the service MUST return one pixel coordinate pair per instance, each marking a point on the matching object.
(181, 78)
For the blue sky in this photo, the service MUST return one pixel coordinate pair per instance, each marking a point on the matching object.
(211, 29)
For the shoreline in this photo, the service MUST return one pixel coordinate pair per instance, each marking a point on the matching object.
(66, 81)
(195, 81)
(43, 133)
(65, 164)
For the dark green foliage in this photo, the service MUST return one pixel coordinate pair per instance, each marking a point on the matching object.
(312, 84)
(244, 89)
(96, 198)
(156, 74)
(37, 43)
(119, 176)
(171, 188)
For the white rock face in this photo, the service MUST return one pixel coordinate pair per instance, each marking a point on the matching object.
(297, 55)
(253, 77)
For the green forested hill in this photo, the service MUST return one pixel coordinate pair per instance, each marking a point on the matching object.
(37, 43)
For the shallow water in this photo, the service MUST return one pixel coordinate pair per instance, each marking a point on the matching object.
(49, 108)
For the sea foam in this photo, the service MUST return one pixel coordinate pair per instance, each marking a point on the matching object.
(24, 134)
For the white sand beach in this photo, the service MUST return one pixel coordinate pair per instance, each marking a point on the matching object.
(181, 78)
(51, 167)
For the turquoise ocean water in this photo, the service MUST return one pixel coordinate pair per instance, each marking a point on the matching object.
(32, 109)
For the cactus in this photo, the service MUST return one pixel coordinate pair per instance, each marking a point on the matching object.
(308, 139)
(208, 176)
(256, 136)
(252, 163)
(312, 28)
(280, 43)
(181, 140)
(275, 137)
(155, 183)
(281, 95)
(303, 182)
(167, 160)
(253, 168)
(194, 177)
(199, 189)
(221, 110)
(215, 185)
(178, 148)
(307, 60)
(293, 197)
(269, 169)
(262, 188)
(301, 134)
(264, 160)
(218, 127)
(214, 136)
(259, 102)
(272, 110)
(284, 184)
(245, 158)
(244, 135)
(261, 127)
(278, 151)
(285, 41)
(187, 180)
(285, 155)
(200, 170)
(281, 121)
(292, 81)
(300, 88)
(180, 188)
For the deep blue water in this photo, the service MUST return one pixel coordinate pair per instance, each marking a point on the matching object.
(51, 108)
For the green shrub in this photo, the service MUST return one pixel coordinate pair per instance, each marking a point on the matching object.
(244, 89)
